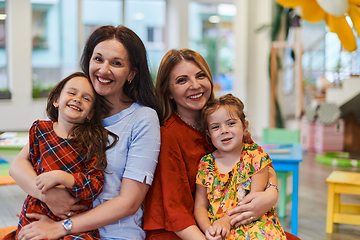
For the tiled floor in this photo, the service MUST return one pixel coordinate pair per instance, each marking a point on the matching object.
(312, 203)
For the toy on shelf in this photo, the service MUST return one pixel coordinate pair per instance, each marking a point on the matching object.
(322, 130)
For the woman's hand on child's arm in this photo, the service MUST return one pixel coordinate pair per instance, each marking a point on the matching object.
(47, 180)
(61, 202)
(253, 205)
(37, 229)
(131, 196)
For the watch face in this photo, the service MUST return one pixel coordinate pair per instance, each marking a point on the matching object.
(67, 224)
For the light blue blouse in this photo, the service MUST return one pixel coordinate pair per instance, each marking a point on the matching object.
(134, 157)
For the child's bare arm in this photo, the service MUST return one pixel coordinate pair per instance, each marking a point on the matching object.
(51, 179)
(272, 175)
(201, 208)
(260, 180)
(22, 171)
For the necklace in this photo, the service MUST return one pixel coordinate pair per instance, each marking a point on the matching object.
(191, 125)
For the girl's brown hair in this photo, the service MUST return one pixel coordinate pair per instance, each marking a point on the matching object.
(234, 106)
(162, 86)
(90, 135)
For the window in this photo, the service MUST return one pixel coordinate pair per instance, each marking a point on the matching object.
(150, 37)
(55, 43)
(147, 19)
(212, 36)
(96, 13)
(154, 35)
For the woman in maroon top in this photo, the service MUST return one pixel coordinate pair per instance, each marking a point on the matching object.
(184, 84)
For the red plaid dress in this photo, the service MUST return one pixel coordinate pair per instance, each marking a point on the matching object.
(49, 152)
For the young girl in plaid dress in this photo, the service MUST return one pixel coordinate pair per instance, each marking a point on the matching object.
(69, 150)
(235, 168)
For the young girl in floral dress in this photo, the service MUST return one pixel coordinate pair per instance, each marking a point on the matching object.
(69, 150)
(233, 170)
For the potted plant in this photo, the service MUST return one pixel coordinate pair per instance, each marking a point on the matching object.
(5, 94)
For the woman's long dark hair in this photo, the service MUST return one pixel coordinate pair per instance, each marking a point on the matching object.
(90, 135)
(141, 88)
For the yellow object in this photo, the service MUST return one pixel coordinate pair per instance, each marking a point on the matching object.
(6, 180)
(4, 231)
(334, 14)
(340, 182)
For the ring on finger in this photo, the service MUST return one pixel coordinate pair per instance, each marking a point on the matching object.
(251, 218)
(69, 214)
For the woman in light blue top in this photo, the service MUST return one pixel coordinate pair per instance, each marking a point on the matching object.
(133, 158)
(115, 60)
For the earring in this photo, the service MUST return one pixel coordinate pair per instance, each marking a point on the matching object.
(87, 120)
(130, 81)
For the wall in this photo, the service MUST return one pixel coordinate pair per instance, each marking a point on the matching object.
(251, 68)
(21, 110)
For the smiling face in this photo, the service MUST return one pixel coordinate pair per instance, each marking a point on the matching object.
(189, 87)
(109, 69)
(75, 101)
(225, 130)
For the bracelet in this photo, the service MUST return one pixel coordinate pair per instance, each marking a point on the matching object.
(271, 184)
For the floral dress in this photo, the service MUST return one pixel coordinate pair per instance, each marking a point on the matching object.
(224, 191)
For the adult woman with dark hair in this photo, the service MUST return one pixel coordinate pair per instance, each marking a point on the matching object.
(115, 60)
(141, 87)
(184, 85)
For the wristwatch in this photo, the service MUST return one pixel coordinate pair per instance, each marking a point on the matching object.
(271, 184)
(67, 224)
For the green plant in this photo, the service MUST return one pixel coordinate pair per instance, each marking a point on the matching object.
(217, 63)
(3, 90)
(5, 93)
(39, 42)
(40, 91)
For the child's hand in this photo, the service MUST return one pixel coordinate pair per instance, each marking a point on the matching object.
(222, 226)
(48, 180)
(210, 234)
